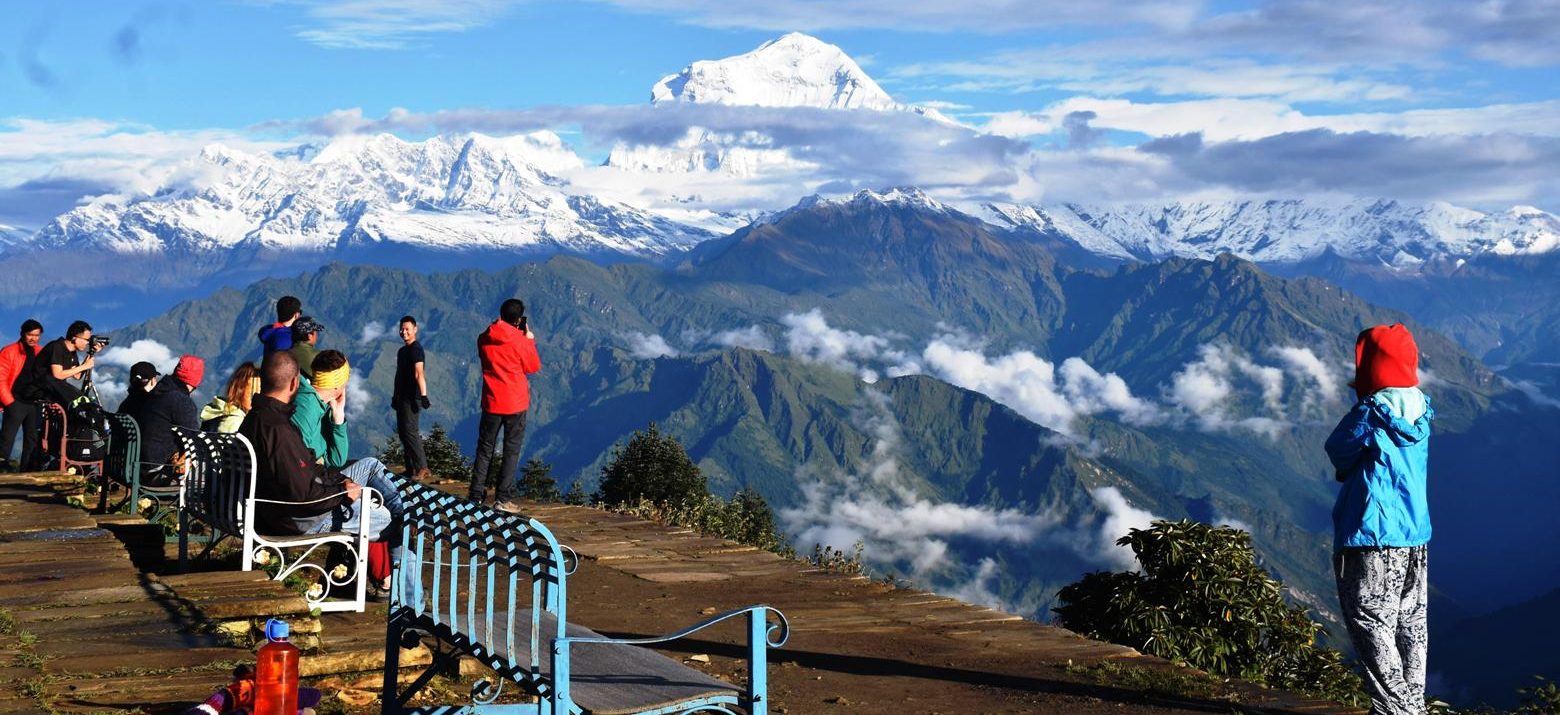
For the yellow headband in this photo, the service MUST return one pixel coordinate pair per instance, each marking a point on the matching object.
(332, 379)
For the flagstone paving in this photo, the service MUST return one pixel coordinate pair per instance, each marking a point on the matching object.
(93, 620)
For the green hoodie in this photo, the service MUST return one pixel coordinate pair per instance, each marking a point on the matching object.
(321, 435)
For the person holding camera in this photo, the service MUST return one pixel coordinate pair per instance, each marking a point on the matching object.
(410, 398)
(508, 353)
(57, 366)
(15, 360)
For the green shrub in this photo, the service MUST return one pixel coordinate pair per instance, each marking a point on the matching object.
(1202, 599)
(652, 467)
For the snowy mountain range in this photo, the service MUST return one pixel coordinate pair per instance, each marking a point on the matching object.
(523, 194)
(1390, 232)
(448, 193)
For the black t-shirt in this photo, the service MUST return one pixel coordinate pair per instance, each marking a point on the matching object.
(61, 391)
(406, 360)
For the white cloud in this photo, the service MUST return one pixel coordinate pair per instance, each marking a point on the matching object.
(753, 337)
(372, 331)
(648, 347)
(357, 397)
(810, 337)
(1035, 388)
(1533, 392)
(140, 351)
(1120, 518)
(1225, 390)
(393, 24)
(876, 506)
(978, 589)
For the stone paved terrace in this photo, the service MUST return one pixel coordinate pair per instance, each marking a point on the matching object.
(91, 621)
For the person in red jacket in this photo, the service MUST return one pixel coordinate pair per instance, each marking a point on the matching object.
(19, 414)
(508, 353)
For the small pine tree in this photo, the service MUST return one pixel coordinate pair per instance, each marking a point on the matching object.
(445, 458)
(652, 466)
(537, 482)
(576, 495)
(1201, 598)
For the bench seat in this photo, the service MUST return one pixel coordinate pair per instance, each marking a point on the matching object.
(610, 679)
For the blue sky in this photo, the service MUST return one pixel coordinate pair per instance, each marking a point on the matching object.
(1430, 82)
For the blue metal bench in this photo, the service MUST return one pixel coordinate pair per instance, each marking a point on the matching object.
(218, 490)
(494, 586)
(123, 466)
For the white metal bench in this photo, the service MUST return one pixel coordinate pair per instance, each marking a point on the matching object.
(218, 490)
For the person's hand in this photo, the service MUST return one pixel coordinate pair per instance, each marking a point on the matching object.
(179, 462)
(338, 408)
(423, 401)
(91, 360)
(354, 491)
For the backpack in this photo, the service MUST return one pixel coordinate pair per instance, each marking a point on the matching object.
(87, 440)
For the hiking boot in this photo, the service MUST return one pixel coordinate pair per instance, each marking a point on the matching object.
(508, 505)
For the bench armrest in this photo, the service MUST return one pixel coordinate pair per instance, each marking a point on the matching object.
(775, 634)
(366, 491)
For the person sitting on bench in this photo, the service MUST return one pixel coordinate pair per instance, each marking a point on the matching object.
(324, 499)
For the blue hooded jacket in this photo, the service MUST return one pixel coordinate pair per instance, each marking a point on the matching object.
(1380, 451)
(276, 337)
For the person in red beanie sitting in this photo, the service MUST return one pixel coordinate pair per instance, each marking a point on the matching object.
(168, 403)
(1381, 522)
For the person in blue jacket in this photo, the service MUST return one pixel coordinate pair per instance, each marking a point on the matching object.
(278, 336)
(1381, 522)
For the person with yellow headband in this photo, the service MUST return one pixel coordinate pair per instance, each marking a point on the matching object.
(320, 409)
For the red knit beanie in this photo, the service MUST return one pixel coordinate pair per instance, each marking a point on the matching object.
(190, 370)
(1385, 356)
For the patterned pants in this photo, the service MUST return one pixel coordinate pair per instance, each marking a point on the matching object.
(1383, 593)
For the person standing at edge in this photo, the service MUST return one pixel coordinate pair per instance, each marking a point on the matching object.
(409, 398)
(1381, 522)
(19, 414)
(278, 335)
(508, 353)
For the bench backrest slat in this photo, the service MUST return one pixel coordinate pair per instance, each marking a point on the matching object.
(219, 480)
(447, 541)
(123, 463)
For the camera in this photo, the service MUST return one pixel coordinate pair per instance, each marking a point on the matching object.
(97, 343)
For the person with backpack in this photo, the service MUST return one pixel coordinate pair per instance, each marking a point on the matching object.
(1381, 521)
(278, 335)
(409, 398)
(507, 350)
(20, 415)
(226, 411)
(143, 379)
(167, 405)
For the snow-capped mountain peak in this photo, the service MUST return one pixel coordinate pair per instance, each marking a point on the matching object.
(454, 192)
(796, 70)
(901, 198)
(1288, 231)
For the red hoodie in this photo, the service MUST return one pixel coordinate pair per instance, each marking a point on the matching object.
(507, 357)
(13, 358)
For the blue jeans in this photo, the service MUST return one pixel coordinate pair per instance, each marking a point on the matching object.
(383, 518)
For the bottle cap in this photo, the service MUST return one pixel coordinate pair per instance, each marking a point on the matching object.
(276, 629)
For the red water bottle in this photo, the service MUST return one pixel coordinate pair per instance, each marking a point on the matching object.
(276, 672)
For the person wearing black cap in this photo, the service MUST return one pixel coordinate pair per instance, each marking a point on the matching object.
(19, 414)
(143, 377)
(305, 337)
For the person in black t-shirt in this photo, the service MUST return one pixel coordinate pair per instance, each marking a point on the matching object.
(410, 398)
(57, 366)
